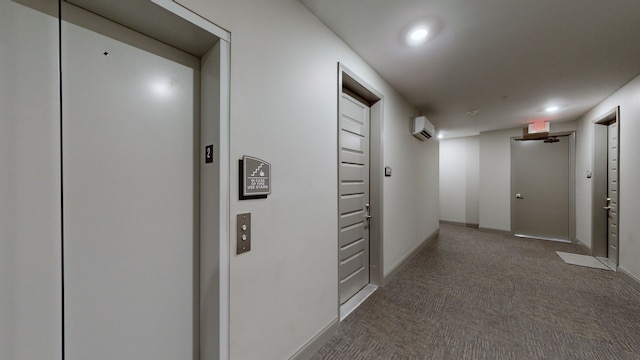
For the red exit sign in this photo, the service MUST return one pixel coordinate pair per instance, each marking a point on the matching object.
(539, 127)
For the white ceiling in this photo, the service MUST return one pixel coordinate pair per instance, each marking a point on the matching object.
(509, 59)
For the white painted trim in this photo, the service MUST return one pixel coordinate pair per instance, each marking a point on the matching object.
(193, 18)
(375, 101)
(311, 347)
(225, 172)
(407, 259)
(600, 244)
(225, 194)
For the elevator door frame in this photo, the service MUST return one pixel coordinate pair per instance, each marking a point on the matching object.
(214, 123)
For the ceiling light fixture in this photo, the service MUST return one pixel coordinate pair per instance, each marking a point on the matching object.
(417, 35)
(552, 109)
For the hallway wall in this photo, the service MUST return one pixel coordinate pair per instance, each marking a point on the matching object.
(493, 192)
(284, 110)
(628, 98)
(460, 179)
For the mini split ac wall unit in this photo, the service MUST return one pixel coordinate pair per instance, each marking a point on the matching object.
(422, 128)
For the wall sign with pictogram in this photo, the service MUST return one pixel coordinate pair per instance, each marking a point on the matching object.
(255, 178)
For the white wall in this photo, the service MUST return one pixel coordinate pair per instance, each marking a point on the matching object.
(284, 110)
(628, 98)
(411, 194)
(460, 179)
(495, 175)
(30, 255)
(495, 179)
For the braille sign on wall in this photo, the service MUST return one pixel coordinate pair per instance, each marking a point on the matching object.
(256, 177)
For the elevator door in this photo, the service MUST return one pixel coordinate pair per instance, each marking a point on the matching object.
(353, 196)
(130, 193)
(540, 178)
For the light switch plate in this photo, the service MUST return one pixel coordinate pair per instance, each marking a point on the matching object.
(243, 233)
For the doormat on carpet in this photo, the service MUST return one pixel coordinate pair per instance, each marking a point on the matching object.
(582, 260)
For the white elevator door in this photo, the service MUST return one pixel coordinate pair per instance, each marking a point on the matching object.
(130, 195)
(354, 197)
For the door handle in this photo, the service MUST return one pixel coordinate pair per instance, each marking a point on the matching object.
(367, 216)
(519, 196)
(607, 207)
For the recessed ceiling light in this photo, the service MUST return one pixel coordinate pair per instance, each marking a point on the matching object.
(552, 109)
(440, 136)
(417, 35)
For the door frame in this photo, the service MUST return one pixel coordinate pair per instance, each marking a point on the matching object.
(599, 226)
(572, 181)
(211, 273)
(353, 85)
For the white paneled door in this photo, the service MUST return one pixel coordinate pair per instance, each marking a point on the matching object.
(353, 196)
(130, 190)
(612, 193)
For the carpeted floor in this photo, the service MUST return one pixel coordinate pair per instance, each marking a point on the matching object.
(478, 295)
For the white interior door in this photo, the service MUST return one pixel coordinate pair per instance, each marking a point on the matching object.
(541, 189)
(354, 196)
(130, 187)
(612, 193)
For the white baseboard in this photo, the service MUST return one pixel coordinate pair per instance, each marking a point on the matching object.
(630, 278)
(495, 231)
(584, 246)
(311, 347)
(407, 259)
(469, 225)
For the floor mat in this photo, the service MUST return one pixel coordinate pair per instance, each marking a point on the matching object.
(582, 260)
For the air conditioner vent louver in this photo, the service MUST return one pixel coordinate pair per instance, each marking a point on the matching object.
(422, 128)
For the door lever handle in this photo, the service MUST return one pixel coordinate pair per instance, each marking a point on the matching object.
(367, 216)
(607, 207)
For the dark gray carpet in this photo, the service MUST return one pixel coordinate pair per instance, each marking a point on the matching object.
(477, 295)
